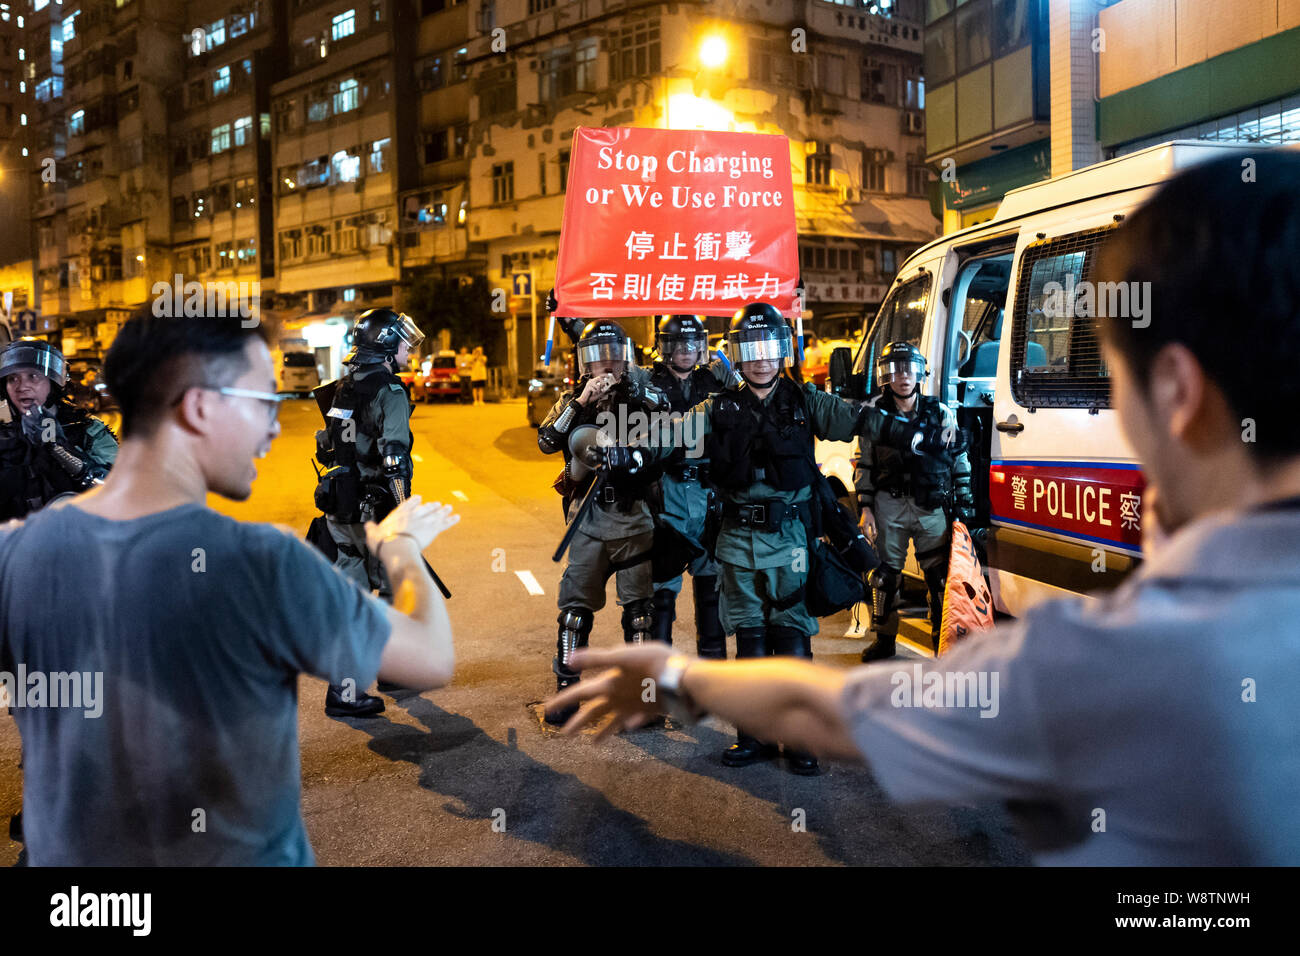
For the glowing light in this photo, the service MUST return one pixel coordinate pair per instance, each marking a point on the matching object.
(713, 52)
(687, 111)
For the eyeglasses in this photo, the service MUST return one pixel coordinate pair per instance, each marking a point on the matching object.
(270, 398)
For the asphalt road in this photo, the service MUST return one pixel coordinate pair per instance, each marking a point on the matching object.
(468, 774)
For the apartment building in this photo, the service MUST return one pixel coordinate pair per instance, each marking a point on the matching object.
(17, 266)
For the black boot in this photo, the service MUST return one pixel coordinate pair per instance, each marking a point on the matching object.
(665, 612)
(936, 582)
(710, 638)
(575, 629)
(884, 614)
(364, 705)
(791, 642)
(750, 642)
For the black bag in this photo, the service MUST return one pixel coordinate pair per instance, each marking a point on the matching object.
(832, 585)
(338, 493)
(673, 552)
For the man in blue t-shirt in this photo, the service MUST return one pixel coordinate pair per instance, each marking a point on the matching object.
(150, 647)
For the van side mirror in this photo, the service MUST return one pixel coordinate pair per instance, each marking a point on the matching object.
(840, 372)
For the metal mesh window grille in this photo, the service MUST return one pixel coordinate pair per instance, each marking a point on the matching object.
(1056, 357)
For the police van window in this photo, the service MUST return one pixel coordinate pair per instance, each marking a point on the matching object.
(1055, 353)
(981, 294)
(299, 360)
(900, 319)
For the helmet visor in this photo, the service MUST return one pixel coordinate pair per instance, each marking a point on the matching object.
(408, 331)
(761, 347)
(603, 352)
(889, 369)
(682, 341)
(22, 355)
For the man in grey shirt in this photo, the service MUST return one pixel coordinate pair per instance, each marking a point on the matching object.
(1155, 725)
(186, 630)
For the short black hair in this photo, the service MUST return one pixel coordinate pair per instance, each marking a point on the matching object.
(155, 359)
(1220, 245)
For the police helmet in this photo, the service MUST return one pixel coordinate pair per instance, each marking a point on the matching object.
(759, 331)
(897, 358)
(36, 354)
(377, 335)
(604, 341)
(681, 332)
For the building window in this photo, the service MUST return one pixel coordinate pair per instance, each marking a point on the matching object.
(221, 197)
(537, 6)
(343, 25)
(70, 25)
(243, 131)
(245, 192)
(503, 182)
(830, 73)
(913, 88)
(246, 252)
(77, 123)
(817, 167)
(879, 81)
(348, 96)
(431, 73)
(225, 255)
(347, 167)
(873, 175)
(564, 170)
(180, 209)
(556, 76)
(918, 180)
(291, 244)
(497, 91)
(221, 81)
(318, 241)
(200, 143)
(220, 138)
(195, 93)
(345, 236)
(287, 180)
(436, 146)
(381, 156)
(636, 50)
(314, 174)
(287, 117)
(216, 34)
(541, 173)
(318, 109)
(241, 23)
(586, 57)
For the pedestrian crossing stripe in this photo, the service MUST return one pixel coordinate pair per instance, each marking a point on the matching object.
(530, 582)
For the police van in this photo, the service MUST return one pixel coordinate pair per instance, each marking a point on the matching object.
(1055, 483)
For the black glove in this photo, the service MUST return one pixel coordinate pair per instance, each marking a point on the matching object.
(626, 461)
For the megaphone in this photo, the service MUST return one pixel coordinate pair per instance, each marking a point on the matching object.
(583, 444)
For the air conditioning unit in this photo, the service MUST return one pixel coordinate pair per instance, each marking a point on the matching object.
(913, 122)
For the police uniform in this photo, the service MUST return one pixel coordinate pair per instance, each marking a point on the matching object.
(366, 448)
(686, 499)
(58, 448)
(617, 536)
(911, 497)
(761, 460)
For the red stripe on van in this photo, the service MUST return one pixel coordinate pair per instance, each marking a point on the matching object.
(1100, 503)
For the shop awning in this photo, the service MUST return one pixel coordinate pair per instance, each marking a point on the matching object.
(902, 219)
(822, 214)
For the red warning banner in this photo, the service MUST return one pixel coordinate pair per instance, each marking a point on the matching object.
(663, 221)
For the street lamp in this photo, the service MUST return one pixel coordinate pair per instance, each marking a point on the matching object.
(713, 51)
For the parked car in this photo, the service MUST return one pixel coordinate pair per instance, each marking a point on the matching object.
(298, 372)
(438, 377)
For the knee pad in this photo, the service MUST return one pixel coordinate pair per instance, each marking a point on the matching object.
(884, 590)
(638, 618)
(665, 605)
(575, 629)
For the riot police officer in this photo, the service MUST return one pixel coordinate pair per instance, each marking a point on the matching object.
(48, 446)
(905, 496)
(617, 536)
(760, 447)
(685, 377)
(366, 446)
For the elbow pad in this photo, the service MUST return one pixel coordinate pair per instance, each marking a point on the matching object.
(397, 461)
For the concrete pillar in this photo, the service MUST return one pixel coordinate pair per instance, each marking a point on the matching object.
(1073, 73)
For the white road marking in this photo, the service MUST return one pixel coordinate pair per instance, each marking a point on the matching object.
(530, 582)
(415, 457)
(460, 495)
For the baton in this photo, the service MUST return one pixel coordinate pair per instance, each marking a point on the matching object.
(732, 374)
(395, 485)
(588, 502)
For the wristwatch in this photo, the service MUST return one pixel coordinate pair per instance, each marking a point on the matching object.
(672, 699)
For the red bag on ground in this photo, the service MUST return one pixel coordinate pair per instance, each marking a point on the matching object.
(967, 603)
